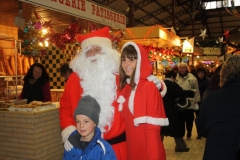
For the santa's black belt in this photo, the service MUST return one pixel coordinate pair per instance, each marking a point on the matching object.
(118, 139)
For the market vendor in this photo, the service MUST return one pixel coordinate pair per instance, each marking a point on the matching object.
(36, 84)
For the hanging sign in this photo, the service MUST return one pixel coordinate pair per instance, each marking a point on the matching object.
(212, 51)
(188, 46)
(85, 10)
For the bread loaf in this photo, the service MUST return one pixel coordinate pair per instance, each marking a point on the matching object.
(19, 65)
(2, 74)
(31, 61)
(1, 67)
(25, 65)
(12, 63)
(6, 63)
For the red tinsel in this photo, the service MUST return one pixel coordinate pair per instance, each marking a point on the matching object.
(226, 34)
(60, 40)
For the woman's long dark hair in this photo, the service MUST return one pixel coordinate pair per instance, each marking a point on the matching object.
(29, 75)
(131, 53)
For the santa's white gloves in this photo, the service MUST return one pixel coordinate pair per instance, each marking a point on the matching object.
(65, 134)
(155, 80)
(159, 84)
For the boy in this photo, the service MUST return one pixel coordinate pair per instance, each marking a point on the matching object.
(86, 140)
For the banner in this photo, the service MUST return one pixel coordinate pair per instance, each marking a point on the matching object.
(85, 10)
(212, 51)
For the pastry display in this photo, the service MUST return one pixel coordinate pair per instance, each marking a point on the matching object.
(12, 64)
(19, 65)
(5, 63)
(34, 106)
(8, 64)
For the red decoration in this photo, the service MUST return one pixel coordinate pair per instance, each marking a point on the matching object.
(226, 34)
(60, 40)
(116, 38)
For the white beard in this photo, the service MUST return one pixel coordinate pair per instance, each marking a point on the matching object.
(99, 81)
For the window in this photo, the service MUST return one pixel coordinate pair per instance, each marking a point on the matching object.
(221, 4)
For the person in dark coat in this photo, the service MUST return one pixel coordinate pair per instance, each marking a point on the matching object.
(192, 69)
(176, 127)
(203, 83)
(65, 71)
(219, 117)
(214, 82)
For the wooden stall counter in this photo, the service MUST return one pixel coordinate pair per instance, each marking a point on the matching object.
(30, 135)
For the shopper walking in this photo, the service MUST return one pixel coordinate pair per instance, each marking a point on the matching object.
(188, 82)
(175, 116)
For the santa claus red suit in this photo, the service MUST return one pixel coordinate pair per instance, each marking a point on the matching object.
(96, 76)
(141, 107)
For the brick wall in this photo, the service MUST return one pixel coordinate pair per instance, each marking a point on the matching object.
(30, 135)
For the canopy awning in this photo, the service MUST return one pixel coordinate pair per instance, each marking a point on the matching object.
(156, 35)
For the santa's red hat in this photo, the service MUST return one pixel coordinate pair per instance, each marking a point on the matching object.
(99, 37)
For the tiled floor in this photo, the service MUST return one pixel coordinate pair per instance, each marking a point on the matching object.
(196, 148)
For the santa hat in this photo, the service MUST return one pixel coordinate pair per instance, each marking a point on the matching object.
(99, 37)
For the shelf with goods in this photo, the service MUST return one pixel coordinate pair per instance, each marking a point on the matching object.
(13, 67)
(9, 65)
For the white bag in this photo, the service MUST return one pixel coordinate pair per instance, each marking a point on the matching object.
(196, 107)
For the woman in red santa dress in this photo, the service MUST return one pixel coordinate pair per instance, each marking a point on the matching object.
(94, 74)
(141, 105)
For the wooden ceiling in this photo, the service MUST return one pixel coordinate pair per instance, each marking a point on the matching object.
(187, 17)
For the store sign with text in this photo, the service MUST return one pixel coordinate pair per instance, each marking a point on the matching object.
(212, 51)
(85, 10)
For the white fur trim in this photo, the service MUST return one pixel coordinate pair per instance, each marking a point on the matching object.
(100, 41)
(151, 120)
(163, 88)
(131, 101)
(120, 100)
(66, 132)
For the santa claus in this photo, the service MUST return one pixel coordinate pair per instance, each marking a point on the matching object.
(94, 74)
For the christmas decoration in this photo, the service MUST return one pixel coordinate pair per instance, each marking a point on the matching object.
(220, 39)
(116, 39)
(226, 34)
(60, 40)
(159, 53)
(36, 35)
(203, 34)
(209, 43)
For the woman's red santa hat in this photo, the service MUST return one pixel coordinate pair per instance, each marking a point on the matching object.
(99, 37)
